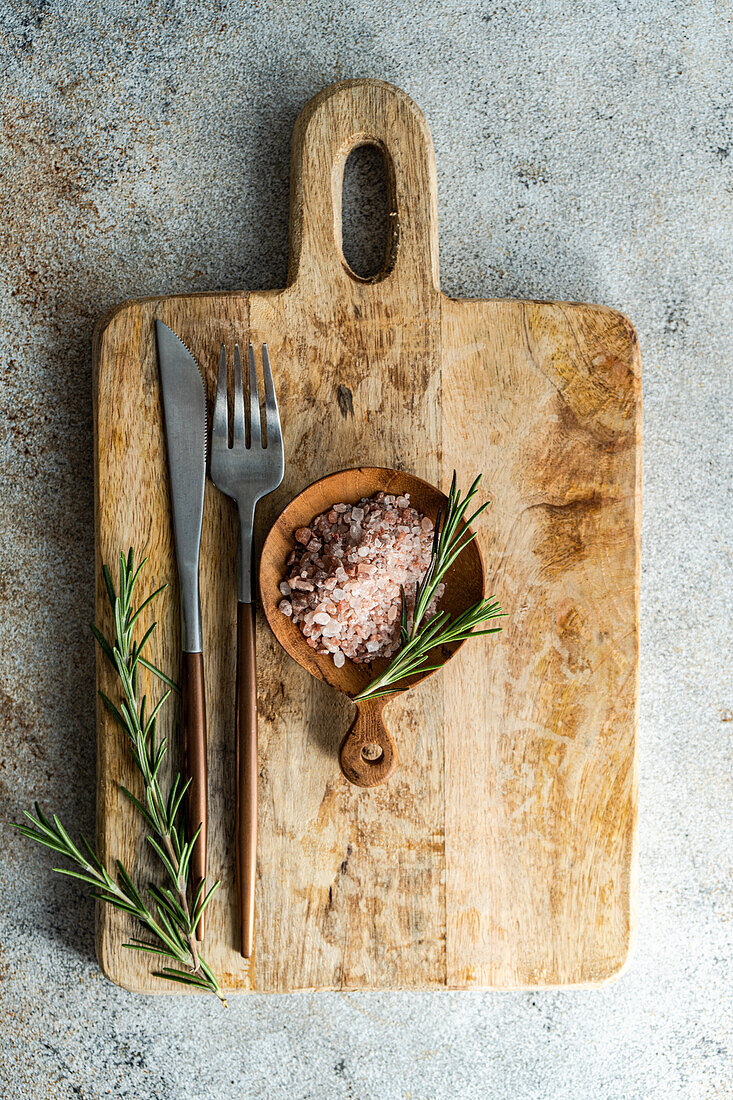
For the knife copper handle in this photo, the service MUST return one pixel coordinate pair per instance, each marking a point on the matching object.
(246, 738)
(194, 740)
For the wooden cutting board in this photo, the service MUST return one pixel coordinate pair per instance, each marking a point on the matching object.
(502, 852)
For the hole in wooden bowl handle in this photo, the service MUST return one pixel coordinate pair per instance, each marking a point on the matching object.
(368, 755)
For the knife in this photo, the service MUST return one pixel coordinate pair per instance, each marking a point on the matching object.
(184, 405)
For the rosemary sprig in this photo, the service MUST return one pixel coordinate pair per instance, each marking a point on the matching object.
(176, 909)
(420, 636)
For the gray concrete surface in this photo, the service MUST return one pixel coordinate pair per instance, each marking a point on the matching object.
(584, 151)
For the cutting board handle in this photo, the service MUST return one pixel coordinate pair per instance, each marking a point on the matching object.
(331, 125)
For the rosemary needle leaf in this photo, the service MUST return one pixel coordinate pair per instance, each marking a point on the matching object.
(154, 712)
(209, 974)
(109, 586)
(152, 950)
(145, 603)
(141, 643)
(198, 912)
(184, 978)
(118, 619)
(197, 896)
(103, 643)
(43, 820)
(136, 574)
(96, 863)
(92, 880)
(112, 899)
(165, 900)
(47, 842)
(161, 675)
(113, 710)
(163, 857)
(172, 930)
(71, 847)
(138, 805)
(129, 887)
(176, 797)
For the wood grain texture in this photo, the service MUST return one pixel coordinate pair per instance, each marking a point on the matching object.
(501, 853)
(367, 754)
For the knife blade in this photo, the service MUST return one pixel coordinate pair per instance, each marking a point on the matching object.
(184, 409)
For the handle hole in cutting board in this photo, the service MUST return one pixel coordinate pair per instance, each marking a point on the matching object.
(367, 229)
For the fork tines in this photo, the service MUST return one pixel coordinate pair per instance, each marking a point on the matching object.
(246, 428)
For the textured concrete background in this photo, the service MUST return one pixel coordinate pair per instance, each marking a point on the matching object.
(584, 152)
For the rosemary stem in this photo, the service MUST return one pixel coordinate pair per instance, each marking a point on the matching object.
(173, 917)
(183, 897)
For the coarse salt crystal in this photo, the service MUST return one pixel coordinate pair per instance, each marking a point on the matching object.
(345, 575)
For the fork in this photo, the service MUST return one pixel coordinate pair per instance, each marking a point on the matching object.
(247, 471)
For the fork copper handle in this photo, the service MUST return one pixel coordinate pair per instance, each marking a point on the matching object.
(194, 741)
(246, 738)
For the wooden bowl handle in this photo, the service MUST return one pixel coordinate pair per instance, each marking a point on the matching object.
(368, 755)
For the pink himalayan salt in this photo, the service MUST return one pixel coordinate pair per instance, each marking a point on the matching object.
(344, 576)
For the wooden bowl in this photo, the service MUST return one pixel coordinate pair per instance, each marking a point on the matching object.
(367, 755)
